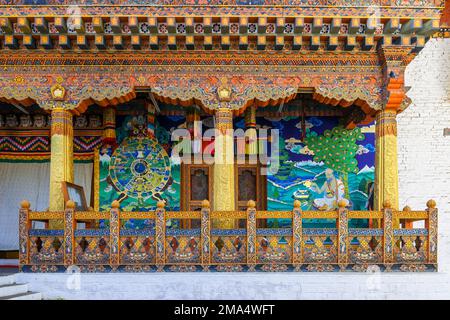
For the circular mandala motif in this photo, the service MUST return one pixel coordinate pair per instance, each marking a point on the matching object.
(140, 167)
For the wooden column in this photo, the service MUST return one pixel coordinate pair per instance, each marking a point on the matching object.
(206, 234)
(386, 166)
(388, 233)
(297, 233)
(224, 184)
(343, 241)
(61, 158)
(24, 227)
(251, 234)
(394, 60)
(160, 235)
(251, 134)
(114, 233)
(432, 226)
(109, 125)
(69, 229)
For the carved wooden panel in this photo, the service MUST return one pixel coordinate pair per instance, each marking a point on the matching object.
(199, 183)
(196, 185)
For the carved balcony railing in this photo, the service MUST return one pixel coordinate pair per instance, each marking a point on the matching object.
(252, 247)
(424, 3)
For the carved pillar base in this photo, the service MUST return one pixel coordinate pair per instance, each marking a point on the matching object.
(224, 199)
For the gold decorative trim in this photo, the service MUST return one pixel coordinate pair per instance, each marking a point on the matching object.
(410, 214)
(91, 215)
(228, 215)
(42, 215)
(273, 215)
(183, 215)
(137, 215)
(58, 92)
(319, 215)
(365, 215)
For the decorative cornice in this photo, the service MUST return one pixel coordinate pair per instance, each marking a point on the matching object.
(348, 95)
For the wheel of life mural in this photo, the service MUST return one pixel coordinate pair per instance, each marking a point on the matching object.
(140, 167)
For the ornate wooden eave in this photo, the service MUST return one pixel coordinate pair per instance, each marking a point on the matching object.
(183, 53)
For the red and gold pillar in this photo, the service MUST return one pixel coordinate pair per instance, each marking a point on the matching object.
(61, 158)
(251, 148)
(109, 125)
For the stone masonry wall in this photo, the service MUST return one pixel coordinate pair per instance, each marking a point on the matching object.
(423, 150)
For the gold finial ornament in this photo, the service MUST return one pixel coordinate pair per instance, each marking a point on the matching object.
(115, 204)
(407, 208)
(205, 204)
(387, 204)
(25, 204)
(297, 204)
(70, 204)
(431, 204)
(342, 203)
(58, 92)
(161, 204)
(251, 204)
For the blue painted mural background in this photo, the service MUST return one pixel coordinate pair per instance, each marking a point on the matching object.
(298, 170)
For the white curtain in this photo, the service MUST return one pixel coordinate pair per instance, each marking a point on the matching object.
(30, 181)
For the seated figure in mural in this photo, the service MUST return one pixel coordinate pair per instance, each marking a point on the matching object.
(333, 190)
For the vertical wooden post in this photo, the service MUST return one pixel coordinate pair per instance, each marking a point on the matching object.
(388, 233)
(160, 235)
(61, 157)
(206, 230)
(114, 233)
(342, 224)
(69, 229)
(386, 164)
(297, 247)
(251, 233)
(432, 231)
(223, 171)
(24, 240)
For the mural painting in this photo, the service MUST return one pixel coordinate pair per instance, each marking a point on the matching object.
(321, 166)
(139, 172)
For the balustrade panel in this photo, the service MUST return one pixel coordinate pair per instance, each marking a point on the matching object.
(137, 238)
(366, 246)
(320, 245)
(92, 246)
(410, 245)
(156, 244)
(46, 246)
(228, 246)
(274, 245)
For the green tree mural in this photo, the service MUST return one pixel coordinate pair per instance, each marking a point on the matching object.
(337, 148)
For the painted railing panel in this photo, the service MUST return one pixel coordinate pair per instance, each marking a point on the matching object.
(423, 3)
(252, 248)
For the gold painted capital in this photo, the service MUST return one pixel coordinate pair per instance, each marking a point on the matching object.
(386, 123)
(224, 119)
